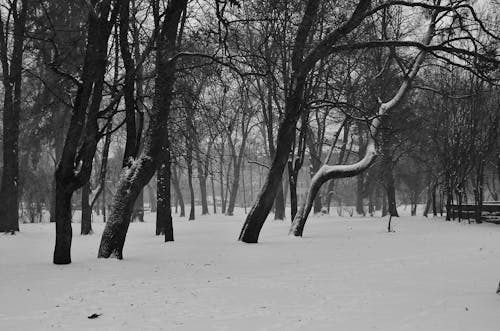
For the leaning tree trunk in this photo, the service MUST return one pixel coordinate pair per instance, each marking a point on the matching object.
(279, 204)
(86, 222)
(342, 171)
(139, 173)
(300, 67)
(286, 133)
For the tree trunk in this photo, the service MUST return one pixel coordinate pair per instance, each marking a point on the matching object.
(244, 188)
(135, 177)
(221, 181)
(286, 133)
(384, 203)
(279, 204)
(300, 68)
(428, 202)
(234, 188)
(214, 198)
(86, 222)
(75, 167)
(12, 79)
(133, 180)
(329, 193)
(64, 232)
(434, 206)
(391, 192)
(360, 210)
(327, 172)
(164, 211)
(191, 190)
(138, 210)
(293, 195)
(202, 178)
(152, 199)
(449, 198)
(178, 193)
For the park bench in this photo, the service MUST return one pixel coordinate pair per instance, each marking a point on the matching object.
(490, 212)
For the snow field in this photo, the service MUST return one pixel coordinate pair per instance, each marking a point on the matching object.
(345, 274)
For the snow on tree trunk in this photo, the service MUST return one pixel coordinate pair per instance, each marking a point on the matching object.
(133, 179)
(139, 173)
(327, 172)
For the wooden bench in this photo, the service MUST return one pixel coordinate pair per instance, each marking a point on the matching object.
(490, 212)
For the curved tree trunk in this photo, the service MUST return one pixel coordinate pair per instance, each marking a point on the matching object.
(342, 171)
(326, 173)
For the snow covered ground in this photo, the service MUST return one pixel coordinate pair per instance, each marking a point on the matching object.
(345, 274)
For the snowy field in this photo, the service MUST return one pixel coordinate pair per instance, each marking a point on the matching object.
(345, 274)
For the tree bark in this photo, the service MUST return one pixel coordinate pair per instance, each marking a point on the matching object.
(202, 178)
(12, 79)
(138, 174)
(86, 222)
(360, 208)
(279, 204)
(214, 198)
(64, 232)
(152, 199)
(178, 193)
(221, 180)
(391, 191)
(164, 211)
(138, 209)
(190, 184)
(342, 171)
(82, 136)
